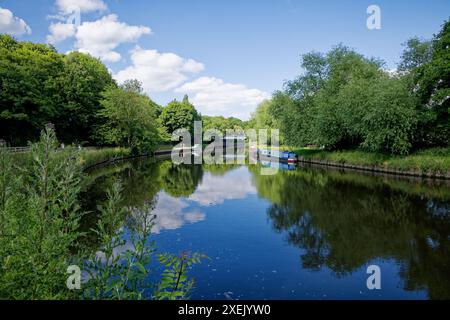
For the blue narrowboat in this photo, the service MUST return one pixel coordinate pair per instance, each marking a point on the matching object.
(284, 156)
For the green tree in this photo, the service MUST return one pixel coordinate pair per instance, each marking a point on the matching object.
(263, 117)
(222, 124)
(83, 80)
(344, 100)
(39, 85)
(432, 86)
(179, 115)
(129, 117)
(29, 90)
(415, 54)
(379, 114)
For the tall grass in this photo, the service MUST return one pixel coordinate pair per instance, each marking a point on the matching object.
(92, 157)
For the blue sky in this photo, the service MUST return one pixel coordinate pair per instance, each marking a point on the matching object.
(226, 55)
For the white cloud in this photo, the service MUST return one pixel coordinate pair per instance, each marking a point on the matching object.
(70, 6)
(99, 38)
(158, 71)
(213, 96)
(60, 31)
(12, 25)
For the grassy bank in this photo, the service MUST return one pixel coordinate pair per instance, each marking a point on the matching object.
(436, 160)
(90, 157)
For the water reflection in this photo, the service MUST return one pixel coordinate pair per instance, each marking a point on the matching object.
(336, 221)
(172, 213)
(215, 189)
(343, 224)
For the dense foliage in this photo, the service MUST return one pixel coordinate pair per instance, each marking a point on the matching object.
(179, 115)
(76, 93)
(129, 118)
(39, 215)
(223, 124)
(431, 84)
(39, 85)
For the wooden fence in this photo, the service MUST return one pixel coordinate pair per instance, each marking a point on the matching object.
(16, 149)
(27, 149)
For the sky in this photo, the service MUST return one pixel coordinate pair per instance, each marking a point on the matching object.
(228, 55)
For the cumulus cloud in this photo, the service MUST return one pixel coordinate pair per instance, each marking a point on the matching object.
(158, 71)
(60, 31)
(12, 25)
(213, 96)
(99, 38)
(70, 6)
(69, 13)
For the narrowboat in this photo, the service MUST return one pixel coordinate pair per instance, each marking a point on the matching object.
(283, 156)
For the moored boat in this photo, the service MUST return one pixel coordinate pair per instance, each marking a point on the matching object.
(284, 156)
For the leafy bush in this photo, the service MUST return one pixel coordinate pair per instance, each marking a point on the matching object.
(39, 231)
(40, 216)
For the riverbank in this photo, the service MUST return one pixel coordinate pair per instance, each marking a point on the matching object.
(430, 163)
(93, 157)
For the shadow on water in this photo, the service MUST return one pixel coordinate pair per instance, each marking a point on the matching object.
(338, 221)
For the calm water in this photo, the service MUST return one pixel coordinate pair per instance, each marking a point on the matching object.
(300, 234)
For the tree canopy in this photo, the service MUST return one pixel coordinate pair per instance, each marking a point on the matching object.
(179, 115)
(39, 85)
(130, 118)
(431, 84)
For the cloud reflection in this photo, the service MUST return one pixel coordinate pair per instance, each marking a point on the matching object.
(171, 213)
(214, 190)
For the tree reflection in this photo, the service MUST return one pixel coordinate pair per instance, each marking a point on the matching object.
(343, 224)
(180, 180)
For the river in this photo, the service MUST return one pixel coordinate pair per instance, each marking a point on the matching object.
(302, 233)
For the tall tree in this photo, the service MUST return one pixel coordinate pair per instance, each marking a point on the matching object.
(129, 117)
(179, 115)
(38, 86)
(81, 84)
(415, 54)
(343, 100)
(432, 82)
(29, 91)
